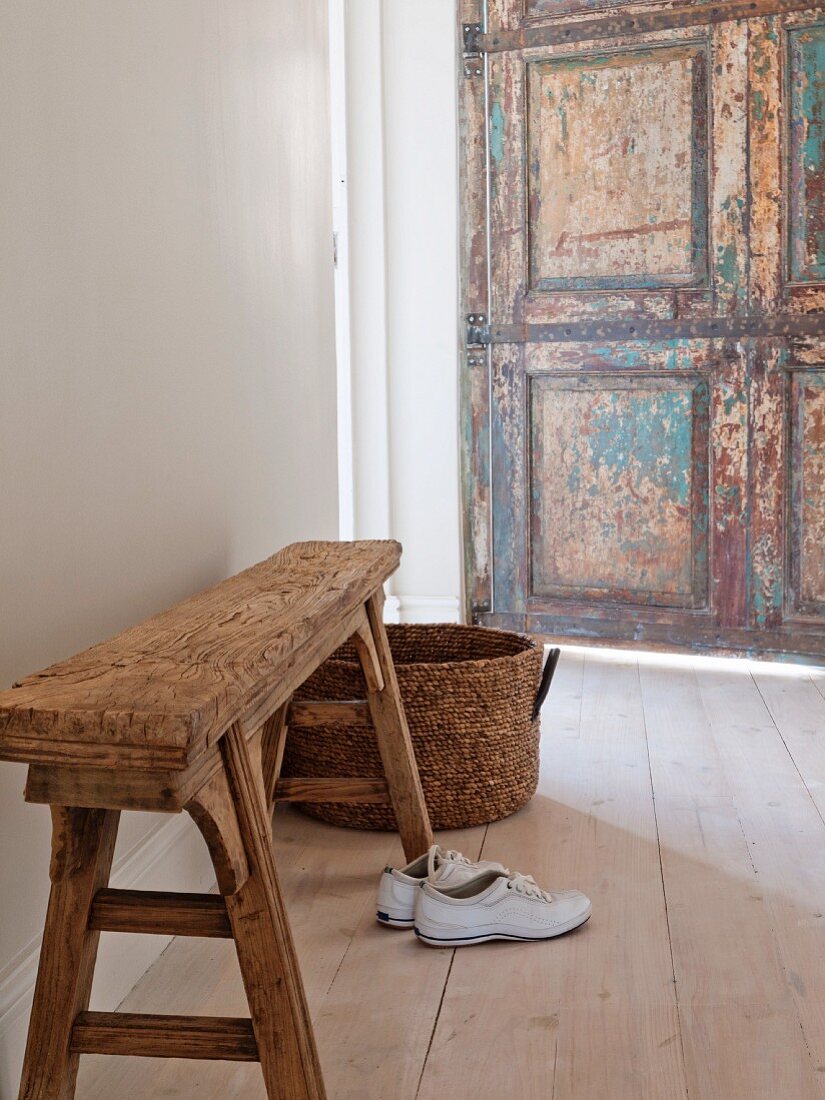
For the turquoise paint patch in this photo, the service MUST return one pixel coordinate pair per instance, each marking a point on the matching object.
(563, 120)
(727, 270)
(731, 399)
(657, 442)
(767, 588)
(678, 354)
(497, 133)
(561, 111)
(807, 191)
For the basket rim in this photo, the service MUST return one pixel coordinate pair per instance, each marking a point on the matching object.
(531, 646)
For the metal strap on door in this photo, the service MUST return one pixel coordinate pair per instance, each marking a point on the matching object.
(778, 326)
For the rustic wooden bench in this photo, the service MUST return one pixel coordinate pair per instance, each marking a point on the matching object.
(188, 711)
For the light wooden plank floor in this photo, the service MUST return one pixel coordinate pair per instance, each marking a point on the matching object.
(686, 796)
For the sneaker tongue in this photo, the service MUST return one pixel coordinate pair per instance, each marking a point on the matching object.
(435, 858)
(492, 865)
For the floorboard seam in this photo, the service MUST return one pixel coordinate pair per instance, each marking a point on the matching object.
(483, 841)
(664, 887)
(813, 802)
(816, 684)
(435, 1024)
(444, 989)
(775, 725)
(766, 903)
(357, 924)
(555, 1067)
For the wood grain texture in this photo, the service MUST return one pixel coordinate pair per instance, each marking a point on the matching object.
(333, 790)
(346, 713)
(807, 492)
(371, 1045)
(83, 844)
(663, 16)
(374, 1043)
(591, 1014)
(214, 812)
(805, 260)
(273, 743)
(126, 1033)
(576, 240)
(160, 913)
(771, 459)
(122, 786)
(766, 185)
(474, 376)
(395, 743)
(473, 1029)
(364, 644)
(785, 835)
(263, 939)
(796, 709)
(161, 693)
(735, 1004)
(729, 180)
(582, 474)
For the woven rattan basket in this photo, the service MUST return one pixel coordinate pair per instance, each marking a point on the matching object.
(470, 695)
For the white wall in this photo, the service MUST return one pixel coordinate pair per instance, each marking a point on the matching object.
(167, 371)
(403, 189)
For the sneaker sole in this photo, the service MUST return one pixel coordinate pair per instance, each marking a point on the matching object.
(466, 941)
(394, 922)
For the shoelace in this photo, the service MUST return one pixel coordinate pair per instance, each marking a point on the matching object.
(448, 855)
(527, 885)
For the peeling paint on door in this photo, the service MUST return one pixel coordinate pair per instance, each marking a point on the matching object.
(618, 179)
(806, 221)
(614, 475)
(667, 490)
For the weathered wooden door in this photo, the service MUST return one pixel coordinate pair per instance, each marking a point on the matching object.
(644, 287)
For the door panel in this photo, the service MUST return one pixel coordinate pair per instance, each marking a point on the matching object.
(664, 485)
(807, 542)
(617, 170)
(619, 487)
(806, 155)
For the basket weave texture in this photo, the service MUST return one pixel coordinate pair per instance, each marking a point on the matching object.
(468, 694)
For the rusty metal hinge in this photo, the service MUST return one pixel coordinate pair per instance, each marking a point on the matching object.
(472, 55)
(478, 330)
(477, 339)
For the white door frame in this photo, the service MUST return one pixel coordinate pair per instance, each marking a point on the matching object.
(340, 228)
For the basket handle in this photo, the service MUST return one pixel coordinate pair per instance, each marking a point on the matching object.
(546, 681)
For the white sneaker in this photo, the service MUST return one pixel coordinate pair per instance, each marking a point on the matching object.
(495, 907)
(397, 889)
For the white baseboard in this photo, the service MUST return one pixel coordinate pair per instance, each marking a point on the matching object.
(173, 855)
(391, 610)
(428, 609)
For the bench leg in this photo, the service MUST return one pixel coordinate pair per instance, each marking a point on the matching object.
(393, 735)
(83, 844)
(274, 989)
(273, 744)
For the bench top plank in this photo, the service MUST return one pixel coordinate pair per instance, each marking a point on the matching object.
(160, 693)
